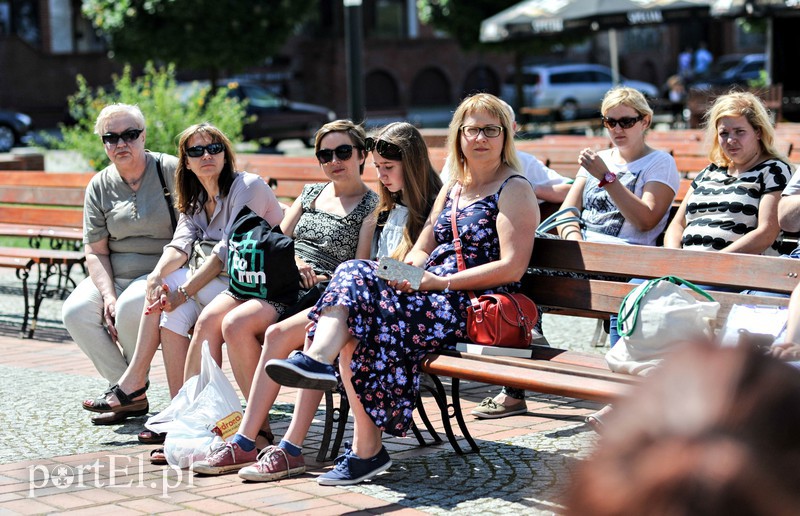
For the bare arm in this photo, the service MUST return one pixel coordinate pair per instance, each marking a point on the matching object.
(572, 231)
(98, 261)
(365, 235)
(426, 242)
(789, 213)
(202, 276)
(673, 236)
(552, 193)
(758, 240)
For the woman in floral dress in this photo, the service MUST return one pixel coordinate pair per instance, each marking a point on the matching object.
(393, 327)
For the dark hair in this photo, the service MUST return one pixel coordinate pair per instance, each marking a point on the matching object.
(189, 192)
(421, 183)
(714, 432)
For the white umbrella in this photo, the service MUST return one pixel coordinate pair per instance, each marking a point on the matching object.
(535, 18)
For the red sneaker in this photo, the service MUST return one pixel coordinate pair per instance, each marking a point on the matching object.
(225, 459)
(273, 463)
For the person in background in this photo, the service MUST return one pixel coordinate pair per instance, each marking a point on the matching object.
(702, 59)
(330, 222)
(497, 217)
(685, 63)
(548, 185)
(713, 432)
(127, 221)
(732, 204)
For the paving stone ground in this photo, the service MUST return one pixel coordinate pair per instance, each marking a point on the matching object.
(46, 441)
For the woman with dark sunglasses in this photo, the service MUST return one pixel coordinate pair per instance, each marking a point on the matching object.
(210, 192)
(623, 193)
(127, 223)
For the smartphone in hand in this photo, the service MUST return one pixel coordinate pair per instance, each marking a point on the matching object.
(395, 270)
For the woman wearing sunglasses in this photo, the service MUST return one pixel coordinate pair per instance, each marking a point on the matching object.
(127, 223)
(623, 193)
(409, 185)
(210, 192)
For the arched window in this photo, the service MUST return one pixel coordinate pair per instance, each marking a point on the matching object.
(430, 88)
(381, 91)
(481, 79)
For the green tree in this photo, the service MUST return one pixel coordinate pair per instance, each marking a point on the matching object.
(210, 35)
(167, 107)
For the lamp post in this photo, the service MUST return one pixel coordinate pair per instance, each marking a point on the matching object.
(353, 41)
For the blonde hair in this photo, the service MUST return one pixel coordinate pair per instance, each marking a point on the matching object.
(493, 106)
(626, 96)
(740, 104)
(115, 110)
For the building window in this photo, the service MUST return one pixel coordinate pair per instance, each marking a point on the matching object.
(25, 21)
(430, 88)
(389, 19)
(381, 91)
(5, 18)
(481, 79)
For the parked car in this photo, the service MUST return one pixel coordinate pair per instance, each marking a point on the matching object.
(276, 118)
(13, 128)
(571, 90)
(731, 70)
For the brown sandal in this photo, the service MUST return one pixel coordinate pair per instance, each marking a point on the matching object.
(158, 458)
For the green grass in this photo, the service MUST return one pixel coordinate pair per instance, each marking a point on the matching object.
(7, 241)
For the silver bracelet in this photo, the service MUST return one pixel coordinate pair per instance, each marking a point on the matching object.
(183, 291)
(447, 288)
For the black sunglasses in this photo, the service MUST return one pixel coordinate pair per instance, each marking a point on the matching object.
(624, 122)
(127, 136)
(343, 152)
(198, 150)
(386, 149)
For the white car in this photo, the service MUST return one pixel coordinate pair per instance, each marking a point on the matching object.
(570, 90)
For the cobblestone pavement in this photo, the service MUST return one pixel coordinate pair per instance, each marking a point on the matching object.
(53, 459)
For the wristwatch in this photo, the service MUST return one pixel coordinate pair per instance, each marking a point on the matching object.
(609, 178)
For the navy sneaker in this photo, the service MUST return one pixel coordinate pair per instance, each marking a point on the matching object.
(349, 469)
(301, 371)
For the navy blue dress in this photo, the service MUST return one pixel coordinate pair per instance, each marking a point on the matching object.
(396, 330)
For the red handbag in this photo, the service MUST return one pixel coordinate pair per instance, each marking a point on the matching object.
(500, 319)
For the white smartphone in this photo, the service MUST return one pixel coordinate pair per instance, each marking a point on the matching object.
(395, 270)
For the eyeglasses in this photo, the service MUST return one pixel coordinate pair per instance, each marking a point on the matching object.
(386, 149)
(198, 150)
(490, 131)
(127, 136)
(343, 152)
(624, 122)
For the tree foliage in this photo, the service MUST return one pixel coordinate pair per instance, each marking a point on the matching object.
(208, 35)
(461, 19)
(167, 107)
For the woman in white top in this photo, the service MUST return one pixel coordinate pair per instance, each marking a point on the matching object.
(624, 193)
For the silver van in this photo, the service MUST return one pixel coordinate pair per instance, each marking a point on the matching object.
(571, 90)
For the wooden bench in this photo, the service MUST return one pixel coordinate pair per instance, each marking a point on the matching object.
(582, 375)
(47, 209)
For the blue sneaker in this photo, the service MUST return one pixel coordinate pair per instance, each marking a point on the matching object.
(301, 371)
(349, 469)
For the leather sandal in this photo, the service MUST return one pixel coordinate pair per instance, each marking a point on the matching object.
(100, 404)
(127, 408)
(266, 434)
(150, 437)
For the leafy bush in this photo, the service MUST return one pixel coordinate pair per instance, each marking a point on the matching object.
(168, 109)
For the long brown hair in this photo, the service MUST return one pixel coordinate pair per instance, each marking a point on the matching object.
(189, 192)
(421, 183)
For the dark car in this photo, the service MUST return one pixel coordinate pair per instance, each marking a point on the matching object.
(731, 70)
(13, 128)
(278, 118)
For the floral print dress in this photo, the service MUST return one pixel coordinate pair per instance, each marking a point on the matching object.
(396, 330)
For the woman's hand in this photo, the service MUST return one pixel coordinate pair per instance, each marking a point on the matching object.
(593, 163)
(308, 278)
(110, 315)
(170, 300)
(429, 281)
(154, 287)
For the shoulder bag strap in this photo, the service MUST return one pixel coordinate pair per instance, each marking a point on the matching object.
(558, 219)
(167, 193)
(476, 307)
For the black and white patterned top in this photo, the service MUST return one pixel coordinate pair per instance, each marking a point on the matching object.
(324, 240)
(723, 208)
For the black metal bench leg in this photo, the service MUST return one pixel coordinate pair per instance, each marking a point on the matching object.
(23, 275)
(452, 410)
(333, 415)
(423, 414)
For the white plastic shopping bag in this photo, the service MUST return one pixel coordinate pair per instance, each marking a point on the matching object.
(205, 411)
(654, 317)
